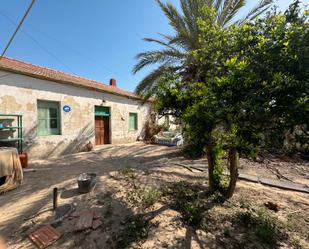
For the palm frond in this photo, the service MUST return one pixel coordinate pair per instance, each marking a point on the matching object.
(175, 18)
(229, 10)
(157, 56)
(160, 42)
(218, 5)
(259, 9)
(176, 49)
(145, 86)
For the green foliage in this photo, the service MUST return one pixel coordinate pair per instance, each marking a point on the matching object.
(176, 50)
(144, 197)
(136, 230)
(248, 81)
(265, 226)
(128, 172)
(139, 196)
(187, 199)
(192, 150)
(218, 169)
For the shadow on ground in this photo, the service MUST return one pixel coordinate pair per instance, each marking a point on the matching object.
(181, 219)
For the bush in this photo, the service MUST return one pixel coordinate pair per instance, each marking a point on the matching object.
(192, 150)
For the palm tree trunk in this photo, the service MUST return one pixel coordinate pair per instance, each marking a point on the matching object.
(233, 167)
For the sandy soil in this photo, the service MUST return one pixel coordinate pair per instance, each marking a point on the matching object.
(154, 166)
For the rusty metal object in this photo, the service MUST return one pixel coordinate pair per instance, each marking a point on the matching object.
(44, 236)
(84, 221)
(55, 199)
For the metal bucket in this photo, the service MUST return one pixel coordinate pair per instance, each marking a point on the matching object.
(86, 182)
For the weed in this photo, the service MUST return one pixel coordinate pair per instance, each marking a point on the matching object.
(217, 197)
(186, 198)
(265, 226)
(295, 243)
(150, 196)
(136, 230)
(128, 172)
(191, 212)
(145, 197)
(244, 203)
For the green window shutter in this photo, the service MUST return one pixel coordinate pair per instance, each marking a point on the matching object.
(133, 121)
(48, 118)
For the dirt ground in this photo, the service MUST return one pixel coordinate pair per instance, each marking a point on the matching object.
(130, 197)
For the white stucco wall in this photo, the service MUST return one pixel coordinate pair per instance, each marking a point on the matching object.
(19, 94)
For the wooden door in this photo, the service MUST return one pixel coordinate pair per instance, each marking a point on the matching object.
(101, 130)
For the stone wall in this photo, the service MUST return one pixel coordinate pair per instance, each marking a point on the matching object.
(19, 94)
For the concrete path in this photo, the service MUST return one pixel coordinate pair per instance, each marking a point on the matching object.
(275, 183)
(253, 178)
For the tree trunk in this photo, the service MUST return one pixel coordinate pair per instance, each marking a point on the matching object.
(211, 166)
(233, 165)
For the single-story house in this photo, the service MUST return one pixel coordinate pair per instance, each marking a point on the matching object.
(63, 113)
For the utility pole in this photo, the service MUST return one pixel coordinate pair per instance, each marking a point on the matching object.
(18, 27)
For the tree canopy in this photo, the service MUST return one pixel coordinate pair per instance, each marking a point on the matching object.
(250, 79)
(176, 52)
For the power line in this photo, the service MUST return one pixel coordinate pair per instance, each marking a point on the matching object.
(38, 44)
(80, 54)
(18, 27)
(68, 47)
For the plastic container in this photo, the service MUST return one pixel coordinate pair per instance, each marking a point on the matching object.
(86, 182)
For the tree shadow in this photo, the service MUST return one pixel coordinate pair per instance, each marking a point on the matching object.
(48, 149)
(69, 193)
(191, 200)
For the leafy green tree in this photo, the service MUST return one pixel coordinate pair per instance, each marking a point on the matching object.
(176, 53)
(252, 78)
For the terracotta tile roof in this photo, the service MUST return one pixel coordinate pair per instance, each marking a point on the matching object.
(20, 67)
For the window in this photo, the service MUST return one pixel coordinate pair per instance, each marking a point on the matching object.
(48, 118)
(132, 121)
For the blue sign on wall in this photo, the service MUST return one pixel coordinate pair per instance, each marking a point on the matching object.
(66, 108)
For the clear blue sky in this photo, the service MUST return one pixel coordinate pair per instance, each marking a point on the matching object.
(96, 39)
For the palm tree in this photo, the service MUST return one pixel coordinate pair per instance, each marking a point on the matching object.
(176, 49)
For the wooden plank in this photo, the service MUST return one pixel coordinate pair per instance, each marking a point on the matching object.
(44, 236)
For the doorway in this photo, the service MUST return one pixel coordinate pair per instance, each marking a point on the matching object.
(102, 125)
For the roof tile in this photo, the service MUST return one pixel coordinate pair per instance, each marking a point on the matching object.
(20, 67)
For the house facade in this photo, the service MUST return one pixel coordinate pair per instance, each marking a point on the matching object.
(63, 114)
